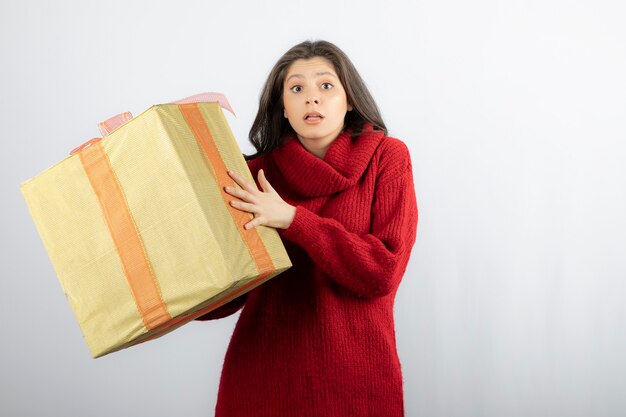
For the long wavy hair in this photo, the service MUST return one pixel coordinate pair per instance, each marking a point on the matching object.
(270, 127)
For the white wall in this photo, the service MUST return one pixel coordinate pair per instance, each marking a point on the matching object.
(514, 113)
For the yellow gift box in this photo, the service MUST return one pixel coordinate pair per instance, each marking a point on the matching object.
(140, 231)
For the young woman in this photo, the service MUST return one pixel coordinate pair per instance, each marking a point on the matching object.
(319, 339)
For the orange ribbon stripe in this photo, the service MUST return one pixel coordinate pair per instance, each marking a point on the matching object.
(141, 280)
(197, 124)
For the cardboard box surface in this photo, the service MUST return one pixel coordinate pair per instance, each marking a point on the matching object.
(194, 246)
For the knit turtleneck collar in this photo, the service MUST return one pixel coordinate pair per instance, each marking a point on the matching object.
(343, 164)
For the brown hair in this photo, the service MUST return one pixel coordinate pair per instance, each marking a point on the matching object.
(270, 126)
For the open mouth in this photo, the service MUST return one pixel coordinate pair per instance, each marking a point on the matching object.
(313, 116)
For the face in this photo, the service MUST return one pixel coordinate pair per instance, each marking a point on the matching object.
(315, 102)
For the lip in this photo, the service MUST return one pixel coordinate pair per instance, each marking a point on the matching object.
(313, 117)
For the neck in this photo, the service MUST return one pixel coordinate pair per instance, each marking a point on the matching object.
(319, 146)
(315, 147)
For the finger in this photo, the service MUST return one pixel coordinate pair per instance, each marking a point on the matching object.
(241, 181)
(265, 184)
(240, 205)
(255, 222)
(242, 194)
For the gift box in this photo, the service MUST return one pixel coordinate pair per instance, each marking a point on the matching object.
(139, 229)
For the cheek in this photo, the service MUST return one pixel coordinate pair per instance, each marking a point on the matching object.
(340, 100)
(340, 106)
(289, 105)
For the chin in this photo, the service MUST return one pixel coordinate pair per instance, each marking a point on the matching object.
(314, 132)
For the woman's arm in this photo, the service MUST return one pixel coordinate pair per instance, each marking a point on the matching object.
(369, 264)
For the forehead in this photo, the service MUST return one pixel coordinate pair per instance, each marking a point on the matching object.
(310, 67)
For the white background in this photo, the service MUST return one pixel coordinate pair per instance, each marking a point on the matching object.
(514, 113)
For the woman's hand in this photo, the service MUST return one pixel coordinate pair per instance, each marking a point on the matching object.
(267, 207)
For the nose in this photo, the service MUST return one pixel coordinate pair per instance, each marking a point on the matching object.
(311, 100)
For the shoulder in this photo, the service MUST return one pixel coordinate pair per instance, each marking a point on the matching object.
(393, 149)
(392, 158)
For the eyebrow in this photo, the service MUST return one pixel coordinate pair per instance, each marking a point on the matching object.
(318, 74)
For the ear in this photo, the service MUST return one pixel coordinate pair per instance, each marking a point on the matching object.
(285, 113)
(349, 107)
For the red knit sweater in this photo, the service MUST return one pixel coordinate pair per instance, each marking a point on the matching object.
(319, 339)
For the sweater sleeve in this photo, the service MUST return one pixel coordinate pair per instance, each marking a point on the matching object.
(372, 264)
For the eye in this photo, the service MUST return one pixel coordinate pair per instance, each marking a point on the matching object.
(327, 86)
(296, 88)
